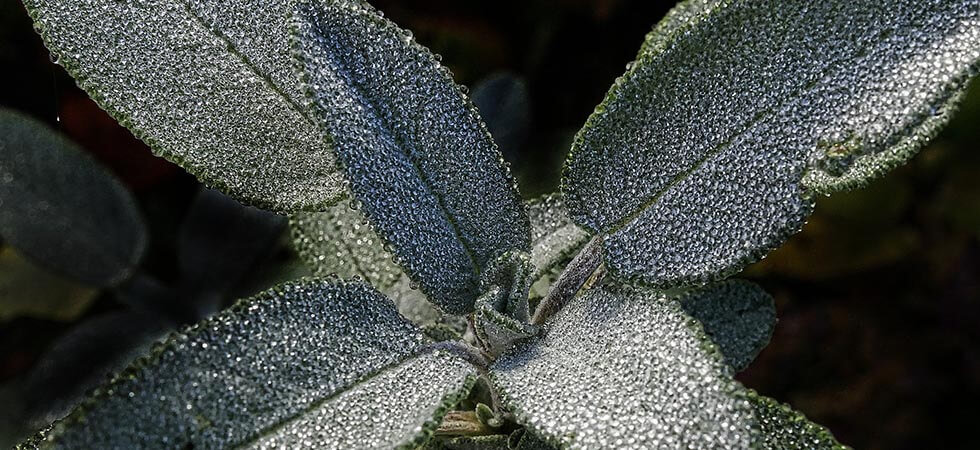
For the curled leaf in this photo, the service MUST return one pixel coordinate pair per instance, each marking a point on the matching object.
(418, 158)
(705, 155)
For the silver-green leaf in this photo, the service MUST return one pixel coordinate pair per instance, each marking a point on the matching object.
(738, 316)
(207, 84)
(305, 364)
(624, 368)
(419, 160)
(341, 242)
(554, 236)
(783, 428)
(62, 209)
(707, 153)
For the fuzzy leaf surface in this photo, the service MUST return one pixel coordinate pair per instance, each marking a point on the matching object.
(62, 209)
(705, 155)
(554, 236)
(207, 84)
(341, 242)
(419, 159)
(620, 365)
(738, 315)
(783, 427)
(303, 364)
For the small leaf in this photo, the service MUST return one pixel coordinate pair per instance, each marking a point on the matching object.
(502, 100)
(341, 242)
(219, 241)
(205, 83)
(313, 361)
(738, 316)
(26, 290)
(624, 365)
(62, 209)
(783, 428)
(418, 158)
(554, 236)
(707, 153)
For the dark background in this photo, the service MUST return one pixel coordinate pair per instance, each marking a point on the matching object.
(878, 297)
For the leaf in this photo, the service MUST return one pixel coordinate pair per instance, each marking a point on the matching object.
(341, 242)
(26, 290)
(738, 316)
(206, 84)
(418, 158)
(314, 361)
(707, 153)
(219, 241)
(782, 427)
(627, 365)
(62, 209)
(502, 100)
(554, 236)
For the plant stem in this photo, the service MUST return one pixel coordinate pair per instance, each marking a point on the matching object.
(571, 280)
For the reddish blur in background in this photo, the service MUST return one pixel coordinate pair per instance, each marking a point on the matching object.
(878, 296)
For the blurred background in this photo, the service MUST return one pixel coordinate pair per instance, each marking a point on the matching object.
(878, 297)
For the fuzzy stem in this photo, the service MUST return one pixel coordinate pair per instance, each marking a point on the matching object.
(571, 280)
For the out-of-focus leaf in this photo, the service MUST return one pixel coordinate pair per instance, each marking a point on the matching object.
(340, 242)
(618, 364)
(738, 316)
(305, 362)
(82, 359)
(61, 209)
(26, 290)
(419, 160)
(206, 84)
(705, 155)
(784, 428)
(502, 100)
(219, 241)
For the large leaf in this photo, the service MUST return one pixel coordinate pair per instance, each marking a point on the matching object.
(624, 368)
(707, 152)
(311, 362)
(417, 156)
(784, 428)
(62, 209)
(207, 84)
(738, 316)
(340, 242)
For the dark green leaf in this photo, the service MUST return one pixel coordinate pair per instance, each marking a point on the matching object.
(707, 153)
(502, 100)
(624, 367)
(207, 84)
(63, 210)
(737, 315)
(418, 158)
(26, 290)
(306, 362)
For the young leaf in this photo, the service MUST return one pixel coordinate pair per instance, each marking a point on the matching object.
(782, 427)
(737, 315)
(340, 242)
(418, 158)
(62, 209)
(706, 153)
(206, 84)
(311, 361)
(624, 366)
(554, 236)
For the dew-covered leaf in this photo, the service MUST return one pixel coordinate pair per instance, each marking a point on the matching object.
(624, 367)
(784, 428)
(706, 154)
(207, 84)
(62, 209)
(738, 316)
(305, 364)
(418, 158)
(219, 241)
(29, 291)
(554, 236)
(341, 242)
(502, 100)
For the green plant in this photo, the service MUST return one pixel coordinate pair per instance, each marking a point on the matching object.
(595, 318)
